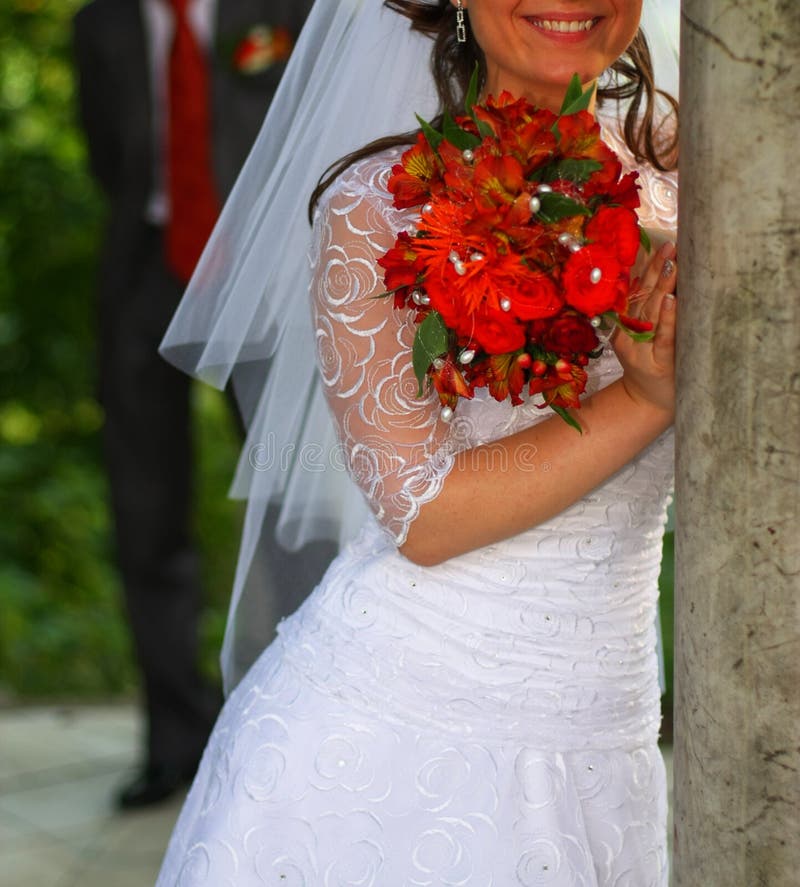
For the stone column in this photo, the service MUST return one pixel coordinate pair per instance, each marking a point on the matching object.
(737, 661)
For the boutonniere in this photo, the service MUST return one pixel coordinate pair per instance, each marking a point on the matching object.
(522, 249)
(261, 47)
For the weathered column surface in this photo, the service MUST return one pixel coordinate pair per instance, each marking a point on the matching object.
(737, 733)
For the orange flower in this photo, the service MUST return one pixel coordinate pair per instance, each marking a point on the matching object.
(401, 263)
(411, 179)
(562, 386)
(449, 382)
(498, 181)
(505, 376)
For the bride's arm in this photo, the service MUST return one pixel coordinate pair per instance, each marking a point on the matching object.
(486, 493)
(618, 422)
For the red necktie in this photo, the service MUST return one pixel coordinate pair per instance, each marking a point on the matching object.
(194, 204)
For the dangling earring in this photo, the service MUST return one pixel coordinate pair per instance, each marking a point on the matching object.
(461, 28)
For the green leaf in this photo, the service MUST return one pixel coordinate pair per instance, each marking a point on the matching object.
(646, 336)
(581, 103)
(573, 169)
(483, 127)
(472, 100)
(430, 342)
(458, 136)
(555, 207)
(573, 94)
(434, 138)
(644, 239)
(568, 418)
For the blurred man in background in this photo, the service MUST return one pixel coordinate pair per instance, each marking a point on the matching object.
(172, 94)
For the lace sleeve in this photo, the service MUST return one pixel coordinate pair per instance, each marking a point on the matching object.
(394, 442)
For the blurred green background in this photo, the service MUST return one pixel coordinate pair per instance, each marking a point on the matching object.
(62, 631)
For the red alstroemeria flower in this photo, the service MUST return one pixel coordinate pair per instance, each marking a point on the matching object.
(581, 139)
(457, 173)
(402, 264)
(449, 382)
(562, 386)
(498, 181)
(411, 179)
(504, 376)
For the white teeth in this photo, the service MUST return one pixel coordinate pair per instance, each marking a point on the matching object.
(565, 27)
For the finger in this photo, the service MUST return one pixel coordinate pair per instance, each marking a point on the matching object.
(656, 276)
(664, 283)
(664, 338)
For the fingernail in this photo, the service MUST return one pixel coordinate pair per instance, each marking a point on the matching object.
(668, 268)
(669, 305)
(667, 249)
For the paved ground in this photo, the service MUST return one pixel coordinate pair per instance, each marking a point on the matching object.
(59, 768)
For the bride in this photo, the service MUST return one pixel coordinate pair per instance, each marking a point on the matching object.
(471, 694)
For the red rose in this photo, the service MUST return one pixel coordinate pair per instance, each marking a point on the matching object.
(593, 281)
(570, 334)
(615, 229)
(624, 192)
(498, 332)
(535, 296)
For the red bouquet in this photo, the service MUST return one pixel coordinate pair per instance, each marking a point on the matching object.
(523, 248)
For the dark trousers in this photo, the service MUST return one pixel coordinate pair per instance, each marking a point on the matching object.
(148, 447)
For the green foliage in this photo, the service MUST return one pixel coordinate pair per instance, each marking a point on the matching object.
(430, 341)
(61, 624)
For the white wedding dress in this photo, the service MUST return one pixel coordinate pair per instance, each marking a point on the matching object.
(488, 722)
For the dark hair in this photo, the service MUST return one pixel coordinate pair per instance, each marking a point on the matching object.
(651, 138)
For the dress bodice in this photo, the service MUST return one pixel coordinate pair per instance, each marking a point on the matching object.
(575, 595)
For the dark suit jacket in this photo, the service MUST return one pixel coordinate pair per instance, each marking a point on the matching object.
(115, 104)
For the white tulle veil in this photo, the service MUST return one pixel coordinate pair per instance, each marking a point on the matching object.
(357, 73)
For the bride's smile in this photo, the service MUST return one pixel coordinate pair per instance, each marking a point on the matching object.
(533, 47)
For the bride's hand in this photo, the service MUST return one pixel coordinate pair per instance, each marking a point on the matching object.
(649, 367)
